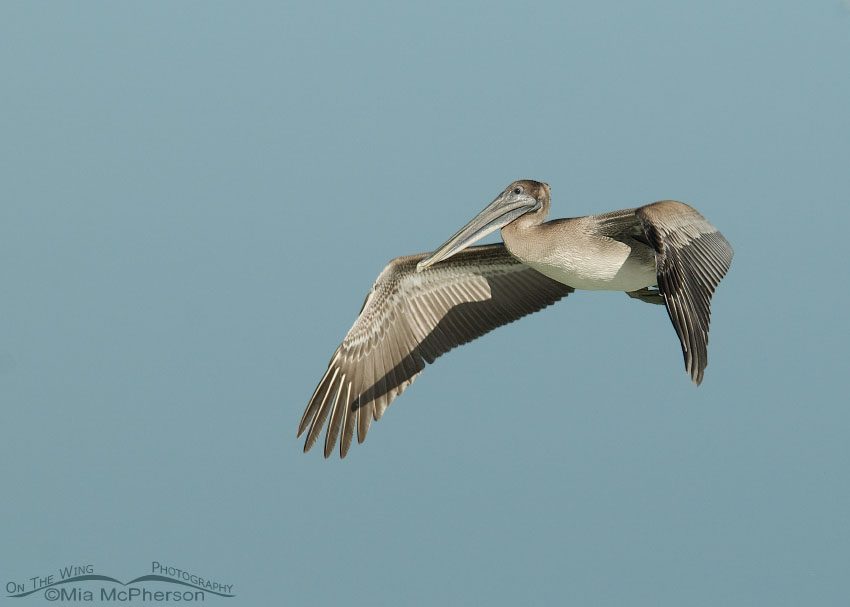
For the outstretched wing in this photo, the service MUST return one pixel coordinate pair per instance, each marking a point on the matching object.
(410, 318)
(691, 257)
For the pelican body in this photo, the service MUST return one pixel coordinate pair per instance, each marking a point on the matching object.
(423, 305)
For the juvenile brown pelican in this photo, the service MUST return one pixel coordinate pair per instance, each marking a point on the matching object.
(422, 306)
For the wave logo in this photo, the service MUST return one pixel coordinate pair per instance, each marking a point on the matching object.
(74, 583)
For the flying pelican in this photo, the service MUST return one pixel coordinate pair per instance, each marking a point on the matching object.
(422, 306)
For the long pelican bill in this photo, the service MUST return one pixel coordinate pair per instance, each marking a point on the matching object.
(509, 205)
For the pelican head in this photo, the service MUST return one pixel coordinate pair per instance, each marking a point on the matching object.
(517, 199)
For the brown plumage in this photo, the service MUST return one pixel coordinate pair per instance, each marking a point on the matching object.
(422, 306)
(691, 259)
(410, 318)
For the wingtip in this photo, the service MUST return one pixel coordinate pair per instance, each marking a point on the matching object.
(696, 371)
(697, 379)
(303, 425)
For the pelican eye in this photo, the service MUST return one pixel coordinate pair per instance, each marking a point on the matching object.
(518, 189)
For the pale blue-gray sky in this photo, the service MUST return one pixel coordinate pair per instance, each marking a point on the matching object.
(197, 196)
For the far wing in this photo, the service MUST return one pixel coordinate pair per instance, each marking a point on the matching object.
(692, 257)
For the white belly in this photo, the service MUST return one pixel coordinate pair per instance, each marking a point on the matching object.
(612, 265)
